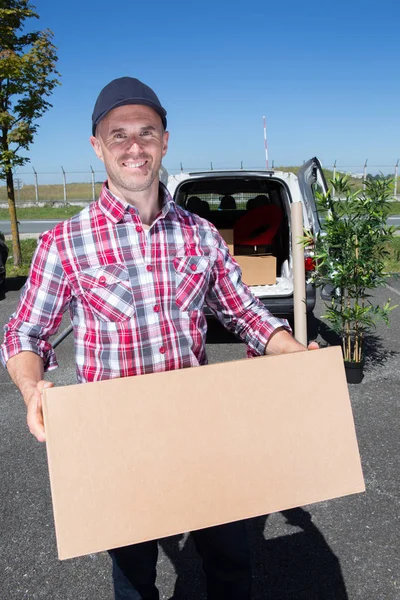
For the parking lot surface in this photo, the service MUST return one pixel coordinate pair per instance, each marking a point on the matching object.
(345, 548)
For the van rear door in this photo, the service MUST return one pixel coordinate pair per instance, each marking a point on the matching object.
(312, 179)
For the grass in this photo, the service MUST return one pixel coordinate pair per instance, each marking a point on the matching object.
(28, 247)
(44, 212)
(394, 208)
(53, 192)
(393, 258)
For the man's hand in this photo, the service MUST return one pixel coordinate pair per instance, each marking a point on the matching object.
(34, 418)
(26, 371)
(282, 342)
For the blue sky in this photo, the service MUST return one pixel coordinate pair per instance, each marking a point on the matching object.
(325, 75)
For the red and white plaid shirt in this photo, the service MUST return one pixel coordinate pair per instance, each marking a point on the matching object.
(135, 297)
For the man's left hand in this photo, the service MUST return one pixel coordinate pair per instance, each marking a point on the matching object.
(282, 342)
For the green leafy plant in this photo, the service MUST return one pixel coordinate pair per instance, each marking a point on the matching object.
(350, 256)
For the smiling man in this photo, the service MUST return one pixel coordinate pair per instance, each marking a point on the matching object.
(134, 271)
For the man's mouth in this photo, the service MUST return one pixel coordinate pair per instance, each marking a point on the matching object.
(134, 164)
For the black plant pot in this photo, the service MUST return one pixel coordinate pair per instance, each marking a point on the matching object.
(354, 371)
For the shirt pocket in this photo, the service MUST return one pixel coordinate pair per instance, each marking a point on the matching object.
(192, 275)
(108, 292)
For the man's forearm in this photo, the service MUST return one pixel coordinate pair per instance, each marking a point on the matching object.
(26, 370)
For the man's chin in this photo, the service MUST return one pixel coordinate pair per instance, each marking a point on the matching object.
(138, 184)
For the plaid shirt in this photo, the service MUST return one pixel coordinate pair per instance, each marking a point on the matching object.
(135, 297)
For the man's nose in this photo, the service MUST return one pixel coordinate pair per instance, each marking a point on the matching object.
(134, 144)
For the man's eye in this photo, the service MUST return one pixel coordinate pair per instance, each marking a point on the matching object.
(120, 136)
(145, 133)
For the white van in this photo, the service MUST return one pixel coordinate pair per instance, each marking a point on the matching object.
(226, 199)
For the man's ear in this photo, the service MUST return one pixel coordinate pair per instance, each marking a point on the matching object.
(96, 146)
(165, 143)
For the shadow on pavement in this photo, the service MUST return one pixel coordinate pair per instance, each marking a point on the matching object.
(299, 566)
(374, 349)
(13, 284)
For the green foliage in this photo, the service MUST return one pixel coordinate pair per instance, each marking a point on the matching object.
(28, 247)
(27, 78)
(351, 255)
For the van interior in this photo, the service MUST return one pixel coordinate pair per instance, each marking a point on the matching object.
(256, 209)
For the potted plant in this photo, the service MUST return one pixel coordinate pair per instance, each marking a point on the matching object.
(350, 254)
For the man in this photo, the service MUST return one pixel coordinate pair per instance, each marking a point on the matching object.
(134, 270)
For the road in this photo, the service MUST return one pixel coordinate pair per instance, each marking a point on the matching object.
(343, 549)
(40, 226)
(28, 226)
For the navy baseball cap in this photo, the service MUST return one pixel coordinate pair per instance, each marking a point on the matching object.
(123, 91)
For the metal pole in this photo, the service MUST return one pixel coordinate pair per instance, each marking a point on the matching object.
(65, 186)
(93, 188)
(396, 172)
(365, 173)
(333, 177)
(299, 276)
(273, 164)
(181, 168)
(36, 186)
(211, 166)
(265, 142)
(62, 336)
(18, 182)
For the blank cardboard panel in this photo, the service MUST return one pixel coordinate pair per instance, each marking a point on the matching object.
(147, 457)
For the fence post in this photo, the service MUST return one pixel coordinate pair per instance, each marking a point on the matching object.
(36, 186)
(396, 172)
(93, 188)
(365, 173)
(65, 186)
(333, 177)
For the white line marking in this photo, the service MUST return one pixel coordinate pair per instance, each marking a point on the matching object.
(392, 289)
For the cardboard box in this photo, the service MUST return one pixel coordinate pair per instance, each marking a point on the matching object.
(259, 269)
(227, 236)
(150, 456)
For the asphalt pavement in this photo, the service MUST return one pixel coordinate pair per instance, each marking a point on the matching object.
(342, 549)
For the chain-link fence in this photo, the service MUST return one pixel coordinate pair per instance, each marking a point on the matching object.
(80, 187)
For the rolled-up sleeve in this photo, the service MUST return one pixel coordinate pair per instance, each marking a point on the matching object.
(235, 305)
(44, 298)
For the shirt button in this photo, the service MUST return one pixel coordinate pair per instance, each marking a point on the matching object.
(162, 349)
(149, 267)
(102, 280)
(156, 308)
(193, 267)
(139, 229)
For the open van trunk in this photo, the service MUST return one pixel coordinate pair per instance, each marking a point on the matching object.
(226, 199)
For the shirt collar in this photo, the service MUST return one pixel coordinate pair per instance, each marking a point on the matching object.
(114, 208)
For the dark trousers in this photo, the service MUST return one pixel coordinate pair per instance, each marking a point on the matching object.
(223, 549)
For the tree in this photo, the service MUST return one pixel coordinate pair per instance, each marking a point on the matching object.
(27, 78)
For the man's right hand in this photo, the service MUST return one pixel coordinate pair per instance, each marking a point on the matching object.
(33, 401)
(26, 370)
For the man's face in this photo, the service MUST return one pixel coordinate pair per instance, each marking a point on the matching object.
(131, 142)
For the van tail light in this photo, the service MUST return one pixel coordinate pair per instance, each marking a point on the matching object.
(309, 261)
